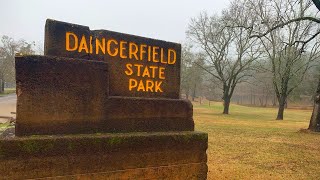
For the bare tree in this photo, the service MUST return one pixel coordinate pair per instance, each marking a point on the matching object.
(229, 49)
(314, 124)
(191, 73)
(284, 43)
(8, 48)
(315, 118)
(186, 63)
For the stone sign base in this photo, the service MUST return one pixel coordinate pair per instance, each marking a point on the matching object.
(152, 155)
(59, 95)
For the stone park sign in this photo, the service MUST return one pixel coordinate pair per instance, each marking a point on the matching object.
(139, 67)
(109, 85)
(118, 95)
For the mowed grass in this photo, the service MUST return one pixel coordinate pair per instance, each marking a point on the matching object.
(3, 127)
(250, 144)
(8, 91)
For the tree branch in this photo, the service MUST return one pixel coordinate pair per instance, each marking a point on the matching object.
(208, 71)
(307, 41)
(307, 18)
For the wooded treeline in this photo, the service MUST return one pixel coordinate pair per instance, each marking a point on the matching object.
(254, 54)
(8, 49)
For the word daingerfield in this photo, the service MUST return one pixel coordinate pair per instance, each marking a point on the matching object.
(139, 66)
(122, 49)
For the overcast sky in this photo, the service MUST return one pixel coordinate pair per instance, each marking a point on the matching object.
(160, 19)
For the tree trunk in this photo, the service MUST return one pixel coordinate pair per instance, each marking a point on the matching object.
(187, 94)
(315, 118)
(266, 101)
(226, 105)
(1, 86)
(194, 92)
(261, 101)
(286, 105)
(274, 101)
(251, 98)
(282, 103)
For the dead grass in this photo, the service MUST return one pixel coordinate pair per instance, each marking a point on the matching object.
(250, 144)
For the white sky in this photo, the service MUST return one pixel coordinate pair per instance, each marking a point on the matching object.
(160, 19)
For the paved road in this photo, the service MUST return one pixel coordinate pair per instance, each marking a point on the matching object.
(8, 99)
(7, 105)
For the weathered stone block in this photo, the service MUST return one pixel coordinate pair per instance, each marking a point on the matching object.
(61, 91)
(153, 66)
(169, 155)
(127, 114)
(59, 95)
(78, 92)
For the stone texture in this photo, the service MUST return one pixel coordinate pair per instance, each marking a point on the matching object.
(60, 91)
(55, 44)
(57, 95)
(126, 114)
(192, 171)
(177, 155)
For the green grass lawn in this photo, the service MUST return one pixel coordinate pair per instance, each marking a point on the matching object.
(8, 91)
(250, 144)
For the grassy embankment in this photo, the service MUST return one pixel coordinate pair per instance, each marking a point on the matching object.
(250, 144)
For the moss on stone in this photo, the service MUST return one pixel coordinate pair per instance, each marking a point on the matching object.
(78, 144)
(31, 146)
(115, 140)
(70, 146)
(2, 153)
